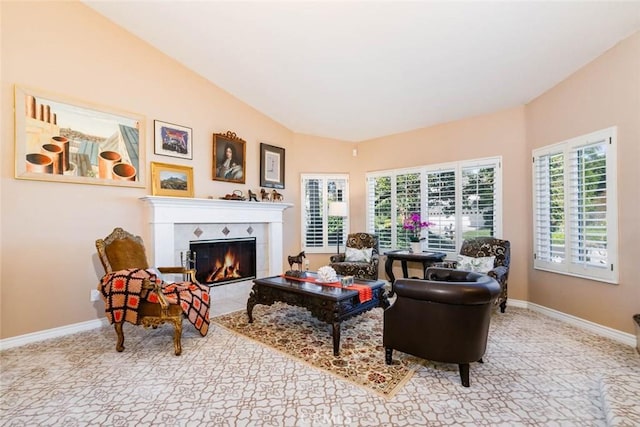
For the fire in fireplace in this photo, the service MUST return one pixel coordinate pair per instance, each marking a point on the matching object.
(224, 261)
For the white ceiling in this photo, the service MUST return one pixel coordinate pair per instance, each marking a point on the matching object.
(355, 70)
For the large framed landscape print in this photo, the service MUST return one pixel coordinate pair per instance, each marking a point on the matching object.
(67, 140)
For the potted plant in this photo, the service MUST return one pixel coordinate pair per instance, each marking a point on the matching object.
(414, 225)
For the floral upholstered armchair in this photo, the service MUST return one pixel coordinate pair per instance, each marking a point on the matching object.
(486, 255)
(360, 258)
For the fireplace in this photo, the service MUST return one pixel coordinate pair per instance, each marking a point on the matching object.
(223, 261)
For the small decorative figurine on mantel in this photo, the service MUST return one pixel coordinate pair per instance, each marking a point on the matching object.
(252, 196)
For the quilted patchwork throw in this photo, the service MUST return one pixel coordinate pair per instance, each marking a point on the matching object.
(122, 292)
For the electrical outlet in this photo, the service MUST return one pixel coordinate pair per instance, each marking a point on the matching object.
(95, 295)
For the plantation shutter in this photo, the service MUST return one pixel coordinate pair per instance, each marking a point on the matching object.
(313, 218)
(441, 209)
(549, 208)
(379, 209)
(321, 232)
(407, 202)
(479, 198)
(588, 205)
(337, 226)
(575, 198)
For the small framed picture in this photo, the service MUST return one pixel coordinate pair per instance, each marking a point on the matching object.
(171, 180)
(271, 166)
(173, 140)
(228, 157)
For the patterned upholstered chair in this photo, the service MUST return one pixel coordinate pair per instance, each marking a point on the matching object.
(123, 254)
(479, 247)
(360, 258)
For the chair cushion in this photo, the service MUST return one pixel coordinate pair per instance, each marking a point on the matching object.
(478, 264)
(358, 255)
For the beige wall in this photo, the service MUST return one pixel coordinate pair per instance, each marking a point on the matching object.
(48, 229)
(313, 154)
(48, 264)
(604, 93)
(497, 134)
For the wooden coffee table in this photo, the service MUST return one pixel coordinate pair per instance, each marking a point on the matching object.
(328, 304)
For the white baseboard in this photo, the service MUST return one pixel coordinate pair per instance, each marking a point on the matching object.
(614, 334)
(52, 333)
(621, 337)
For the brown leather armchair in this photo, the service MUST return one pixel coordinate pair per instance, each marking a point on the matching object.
(124, 259)
(444, 318)
(364, 269)
(484, 247)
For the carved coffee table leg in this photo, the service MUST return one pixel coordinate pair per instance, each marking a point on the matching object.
(336, 338)
(388, 268)
(383, 298)
(251, 302)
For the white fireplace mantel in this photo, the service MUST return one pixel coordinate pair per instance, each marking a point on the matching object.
(163, 213)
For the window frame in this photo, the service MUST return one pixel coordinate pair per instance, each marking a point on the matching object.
(423, 171)
(610, 272)
(327, 245)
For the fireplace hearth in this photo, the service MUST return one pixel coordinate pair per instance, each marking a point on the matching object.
(223, 261)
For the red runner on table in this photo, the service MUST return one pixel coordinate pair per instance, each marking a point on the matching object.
(364, 292)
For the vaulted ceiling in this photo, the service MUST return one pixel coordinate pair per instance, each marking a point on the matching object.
(356, 70)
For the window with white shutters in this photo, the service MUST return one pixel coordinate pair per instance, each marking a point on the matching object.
(441, 209)
(549, 207)
(379, 218)
(407, 196)
(575, 198)
(321, 232)
(460, 200)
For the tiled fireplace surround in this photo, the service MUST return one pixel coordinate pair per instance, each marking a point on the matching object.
(173, 222)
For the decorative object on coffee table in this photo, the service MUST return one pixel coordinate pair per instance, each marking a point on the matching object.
(327, 274)
(293, 260)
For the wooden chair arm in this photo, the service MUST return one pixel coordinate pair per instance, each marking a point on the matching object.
(155, 287)
(190, 275)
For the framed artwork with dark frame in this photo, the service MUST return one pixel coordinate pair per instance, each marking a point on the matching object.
(173, 140)
(67, 140)
(271, 166)
(171, 180)
(229, 155)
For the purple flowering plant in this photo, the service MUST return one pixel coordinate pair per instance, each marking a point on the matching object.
(414, 225)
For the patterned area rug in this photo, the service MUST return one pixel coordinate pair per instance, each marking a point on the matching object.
(295, 332)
